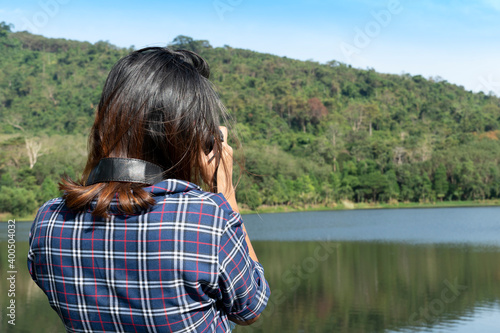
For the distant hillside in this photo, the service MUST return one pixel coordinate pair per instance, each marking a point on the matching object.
(312, 133)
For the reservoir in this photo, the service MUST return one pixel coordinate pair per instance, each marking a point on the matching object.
(398, 270)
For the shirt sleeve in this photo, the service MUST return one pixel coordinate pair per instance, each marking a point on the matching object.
(243, 287)
(31, 253)
(32, 235)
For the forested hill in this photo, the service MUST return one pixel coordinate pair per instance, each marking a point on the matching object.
(311, 133)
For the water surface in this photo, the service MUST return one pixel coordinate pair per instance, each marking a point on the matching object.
(436, 225)
(409, 270)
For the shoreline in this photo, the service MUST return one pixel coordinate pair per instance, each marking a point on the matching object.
(358, 206)
(6, 217)
(346, 205)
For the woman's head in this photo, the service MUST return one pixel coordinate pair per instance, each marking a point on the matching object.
(157, 105)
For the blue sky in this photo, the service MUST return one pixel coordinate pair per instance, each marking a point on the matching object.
(458, 40)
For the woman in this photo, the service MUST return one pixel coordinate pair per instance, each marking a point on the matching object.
(136, 246)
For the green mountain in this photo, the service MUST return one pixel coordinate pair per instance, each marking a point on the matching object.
(311, 133)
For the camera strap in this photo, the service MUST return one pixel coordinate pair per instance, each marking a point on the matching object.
(131, 170)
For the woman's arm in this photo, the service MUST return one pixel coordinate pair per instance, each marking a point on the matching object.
(225, 186)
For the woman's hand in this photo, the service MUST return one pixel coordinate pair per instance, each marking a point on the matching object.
(224, 165)
(225, 181)
(225, 170)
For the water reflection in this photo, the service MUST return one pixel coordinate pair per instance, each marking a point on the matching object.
(339, 287)
(33, 313)
(375, 287)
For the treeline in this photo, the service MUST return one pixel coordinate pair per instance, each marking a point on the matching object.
(311, 133)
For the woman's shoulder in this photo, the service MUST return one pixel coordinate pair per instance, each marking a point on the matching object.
(173, 190)
(217, 199)
(50, 205)
(188, 203)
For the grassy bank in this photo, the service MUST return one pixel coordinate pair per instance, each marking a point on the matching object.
(346, 205)
(5, 217)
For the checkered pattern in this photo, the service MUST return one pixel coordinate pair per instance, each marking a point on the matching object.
(181, 266)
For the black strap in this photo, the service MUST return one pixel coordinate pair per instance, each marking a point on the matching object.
(131, 170)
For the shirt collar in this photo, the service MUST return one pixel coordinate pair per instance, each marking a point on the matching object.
(165, 187)
(171, 186)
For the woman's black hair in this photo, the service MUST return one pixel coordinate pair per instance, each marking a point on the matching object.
(157, 105)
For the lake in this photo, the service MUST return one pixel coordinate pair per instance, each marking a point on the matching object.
(406, 270)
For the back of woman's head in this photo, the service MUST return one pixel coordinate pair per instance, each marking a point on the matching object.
(158, 106)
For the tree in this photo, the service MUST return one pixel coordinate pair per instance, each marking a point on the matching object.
(17, 201)
(33, 150)
(48, 190)
(373, 184)
(441, 182)
(188, 43)
(252, 199)
(5, 29)
(425, 188)
(317, 110)
(392, 191)
(372, 112)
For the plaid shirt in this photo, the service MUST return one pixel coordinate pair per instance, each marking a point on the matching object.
(181, 266)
